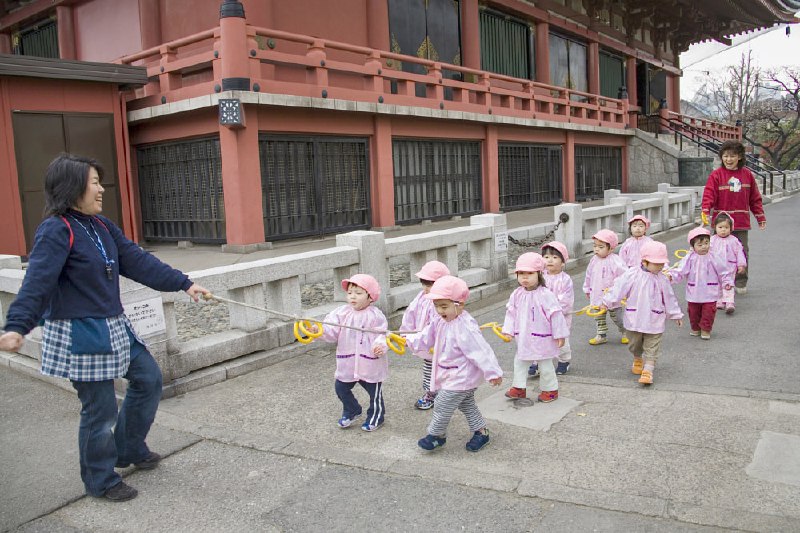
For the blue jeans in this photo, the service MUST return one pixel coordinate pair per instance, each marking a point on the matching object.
(99, 447)
(350, 406)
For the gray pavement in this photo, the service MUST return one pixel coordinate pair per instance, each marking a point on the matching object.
(713, 445)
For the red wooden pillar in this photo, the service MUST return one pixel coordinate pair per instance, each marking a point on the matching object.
(241, 170)
(593, 61)
(150, 23)
(382, 178)
(674, 93)
(542, 52)
(378, 37)
(491, 172)
(470, 34)
(66, 33)
(568, 176)
(630, 82)
(5, 43)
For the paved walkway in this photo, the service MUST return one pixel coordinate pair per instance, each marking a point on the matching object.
(714, 445)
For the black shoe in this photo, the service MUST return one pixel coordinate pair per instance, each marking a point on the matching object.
(120, 493)
(148, 463)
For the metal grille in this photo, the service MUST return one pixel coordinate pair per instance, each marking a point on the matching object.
(40, 40)
(506, 45)
(612, 74)
(180, 184)
(530, 175)
(597, 168)
(313, 185)
(435, 179)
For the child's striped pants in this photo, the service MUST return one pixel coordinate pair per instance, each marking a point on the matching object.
(447, 401)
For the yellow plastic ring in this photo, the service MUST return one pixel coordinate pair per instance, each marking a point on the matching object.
(680, 254)
(299, 336)
(582, 311)
(595, 310)
(305, 328)
(704, 219)
(400, 347)
(498, 330)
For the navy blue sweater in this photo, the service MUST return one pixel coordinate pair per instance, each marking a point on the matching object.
(71, 282)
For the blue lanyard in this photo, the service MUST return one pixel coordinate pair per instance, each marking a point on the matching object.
(98, 243)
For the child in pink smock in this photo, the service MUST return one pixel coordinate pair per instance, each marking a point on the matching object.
(534, 317)
(730, 249)
(462, 360)
(560, 283)
(630, 251)
(603, 269)
(649, 302)
(360, 355)
(419, 313)
(705, 274)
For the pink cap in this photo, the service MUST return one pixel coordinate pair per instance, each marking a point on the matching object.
(449, 288)
(530, 262)
(607, 236)
(366, 282)
(433, 270)
(562, 249)
(642, 218)
(655, 252)
(696, 232)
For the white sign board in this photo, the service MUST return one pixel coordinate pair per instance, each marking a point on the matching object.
(501, 241)
(147, 317)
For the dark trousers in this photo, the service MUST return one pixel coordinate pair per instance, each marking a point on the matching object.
(350, 406)
(701, 316)
(741, 279)
(101, 445)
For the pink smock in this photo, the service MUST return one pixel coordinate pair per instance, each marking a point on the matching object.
(731, 251)
(462, 359)
(631, 251)
(705, 276)
(561, 286)
(650, 300)
(600, 275)
(354, 358)
(419, 313)
(535, 319)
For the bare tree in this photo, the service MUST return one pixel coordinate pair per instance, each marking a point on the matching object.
(774, 120)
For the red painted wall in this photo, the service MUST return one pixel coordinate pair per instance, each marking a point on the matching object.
(342, 20)
(106, 29)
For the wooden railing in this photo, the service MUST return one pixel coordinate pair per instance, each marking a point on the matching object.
(292, 64)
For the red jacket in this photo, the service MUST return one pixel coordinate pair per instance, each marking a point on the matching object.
(736, 192)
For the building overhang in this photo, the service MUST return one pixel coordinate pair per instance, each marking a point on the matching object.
(65, 69)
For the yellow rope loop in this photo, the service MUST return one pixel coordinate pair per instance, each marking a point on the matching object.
(704, 219)
(595, 310)
(305, 328)
(582, 310)
(299, 336)
(680, 254)
(396, 343)
(498, 330)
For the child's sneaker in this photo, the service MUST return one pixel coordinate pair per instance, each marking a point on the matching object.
(624, 340)
(366, 426)
(533, 370)
(548, 396)
(478, 441)
(345, 422)
(429, 442)
(562, 368)
(705, 335)
(729, 309)
(599, 339)
(741, 290)
(638, 365)
(694, 333)
(720, 305)
(646, 378)
(425, 403)
(516, 394)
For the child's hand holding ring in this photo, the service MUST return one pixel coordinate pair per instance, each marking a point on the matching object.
(496, 381)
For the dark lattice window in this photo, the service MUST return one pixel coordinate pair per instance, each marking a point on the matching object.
(436, 179)
(597, 168)
(180, 186)
(530, 175)
(39, 40)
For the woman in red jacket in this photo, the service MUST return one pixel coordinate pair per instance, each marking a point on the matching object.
(733, 188)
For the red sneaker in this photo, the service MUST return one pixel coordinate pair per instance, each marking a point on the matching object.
(516, 394)
(547, 396)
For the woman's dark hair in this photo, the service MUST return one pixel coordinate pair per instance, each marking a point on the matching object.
(65, 181)
(552, 251)
(733, 146)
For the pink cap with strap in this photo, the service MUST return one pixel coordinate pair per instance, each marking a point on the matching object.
(449, 288)
(366, 282)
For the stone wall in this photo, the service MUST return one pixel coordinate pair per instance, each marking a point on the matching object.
(650, 162)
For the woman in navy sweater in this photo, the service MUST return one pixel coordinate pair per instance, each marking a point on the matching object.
(72, 282)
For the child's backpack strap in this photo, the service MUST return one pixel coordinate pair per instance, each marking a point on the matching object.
(69, 227)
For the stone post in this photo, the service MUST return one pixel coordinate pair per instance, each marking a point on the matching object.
(571, 232)
(372, 260)
(664, 209)
(628, 213)
(245, 318)
(492, 253)
(608, 194)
